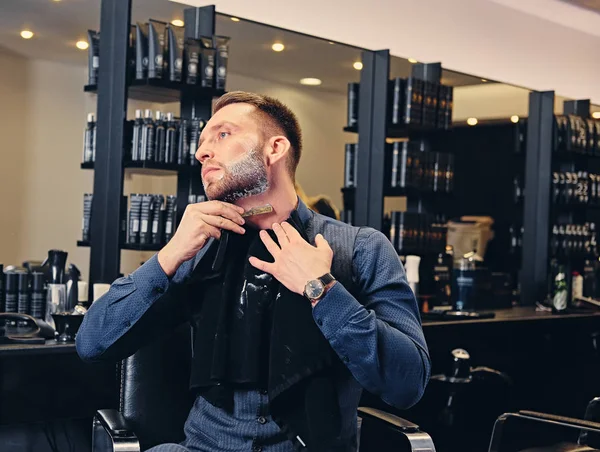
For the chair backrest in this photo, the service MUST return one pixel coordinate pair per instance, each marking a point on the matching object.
(154, 389)
(592, 413)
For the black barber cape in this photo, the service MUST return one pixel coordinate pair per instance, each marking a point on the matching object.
(251, 332)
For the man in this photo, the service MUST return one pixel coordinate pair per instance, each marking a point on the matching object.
(292, 313)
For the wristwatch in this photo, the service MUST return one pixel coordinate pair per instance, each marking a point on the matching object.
(317, 288)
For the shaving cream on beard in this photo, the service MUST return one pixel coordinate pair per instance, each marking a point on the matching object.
(243, 178)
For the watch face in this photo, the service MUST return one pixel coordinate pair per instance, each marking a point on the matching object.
(314, 289)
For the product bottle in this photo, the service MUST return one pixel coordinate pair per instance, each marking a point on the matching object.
(89, 139)
(442, 277)
(160, 143)
(2, 296)
(11, 288)
(171, 140)
(412, 273)
(170, 225)
(147, 147)
(136, 142)
(184, 143)
(559, 295)
(576, 287)
(23, 292)
(195, 130)
(38, 295)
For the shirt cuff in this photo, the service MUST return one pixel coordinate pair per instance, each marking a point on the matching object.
(334, 309)
(151, 280)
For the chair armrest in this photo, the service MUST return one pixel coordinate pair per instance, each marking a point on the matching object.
(417, 439)
(112, 432)
(402, 424)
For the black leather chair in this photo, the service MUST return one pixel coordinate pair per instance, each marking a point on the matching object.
(529, 431)
(154, 403)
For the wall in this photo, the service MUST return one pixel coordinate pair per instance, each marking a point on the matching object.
(13, 130)
(473, 36)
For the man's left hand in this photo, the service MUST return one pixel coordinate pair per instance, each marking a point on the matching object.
(296, 261)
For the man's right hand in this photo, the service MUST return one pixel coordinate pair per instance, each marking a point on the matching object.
(200, 222)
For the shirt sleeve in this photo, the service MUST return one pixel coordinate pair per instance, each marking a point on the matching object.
(379, 337)
(136, 309)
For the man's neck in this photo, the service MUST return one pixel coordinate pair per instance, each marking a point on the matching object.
(283, 200)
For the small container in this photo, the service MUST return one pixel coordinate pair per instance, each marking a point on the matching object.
(38, 295)
(464, 283)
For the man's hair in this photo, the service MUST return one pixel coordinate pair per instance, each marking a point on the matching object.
(281, 117)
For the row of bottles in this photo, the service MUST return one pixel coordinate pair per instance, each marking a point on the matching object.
(574, 240)
(416, 233)
(575, 188)
(576, 134)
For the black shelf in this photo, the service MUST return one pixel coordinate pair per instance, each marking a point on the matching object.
(128, 246)
(164, 91)
(571, 156)
(152, 168)
(404, 131)
(412, 192)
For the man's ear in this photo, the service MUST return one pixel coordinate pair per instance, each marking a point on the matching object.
(277, 149)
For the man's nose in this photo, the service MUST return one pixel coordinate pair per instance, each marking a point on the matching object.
(204, 153)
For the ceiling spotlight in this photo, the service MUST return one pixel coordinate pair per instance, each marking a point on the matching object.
(484, 80)
(412, 60)
(332, 43)
(56, 1)
(82, 45)
(278, 47)
(177, 22)
(358, 65)
(26, 34)
(514, 118)
(472, 121)
(596, 115)
(235, 19)
(310, 81)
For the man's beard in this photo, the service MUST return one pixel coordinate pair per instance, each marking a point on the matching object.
(242, 179)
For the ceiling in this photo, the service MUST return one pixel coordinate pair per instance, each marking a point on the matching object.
(58, 25)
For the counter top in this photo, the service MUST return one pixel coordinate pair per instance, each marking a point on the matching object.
(49, 347)
(520, 314)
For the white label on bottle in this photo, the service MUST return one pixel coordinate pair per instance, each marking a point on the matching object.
(169, 227)
(136, 225)
(144, 225)
(155, 227)
(95, 62)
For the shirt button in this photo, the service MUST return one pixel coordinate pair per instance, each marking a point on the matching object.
(262, 420)
(320, 322)
(346, 359)
(160, 290)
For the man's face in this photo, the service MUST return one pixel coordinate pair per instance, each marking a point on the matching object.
(231, 152)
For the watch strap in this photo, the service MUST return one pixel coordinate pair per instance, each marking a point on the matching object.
(327, 279)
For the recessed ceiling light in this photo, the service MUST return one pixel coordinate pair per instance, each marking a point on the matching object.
(82, 45)
(412, 60)
(235, 19)
(472, 121)
(56, 1)
(514, 118)
(278, 47)
(177, 22)
(484, 80)
(310, 81)
(26, 34)
(596, 115)
(332, 43)
(358, 65)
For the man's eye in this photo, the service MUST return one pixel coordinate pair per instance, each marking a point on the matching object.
(223, 134)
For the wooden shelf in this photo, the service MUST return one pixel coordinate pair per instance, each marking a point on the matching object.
(404, 131)
(152, 168)
(413, 192)
(128, 246)
(164, 91)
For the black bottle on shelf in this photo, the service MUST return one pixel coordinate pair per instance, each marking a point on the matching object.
(11, 288)
(559, 291)
(442, 276)
(170, 217)
(147, 146)
(350, 166)
(158, 219)
(352, 113)
(89, 139)
(184, 143)
(2, 296)
(171, 139)
(136, 141)
(160, 143)
(23, 292)
(145, 220)
(38, 295)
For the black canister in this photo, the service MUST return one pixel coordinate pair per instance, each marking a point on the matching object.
(2, 288)
(12, 285)
(463, 284)
(23, 292)
(38, 296)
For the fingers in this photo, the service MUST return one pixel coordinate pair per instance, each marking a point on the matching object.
(210, 231)
(281, 235)
(262, 265)
(270, 244)
(230, 211)
(223, 223)
(320, 242)
(291, 232)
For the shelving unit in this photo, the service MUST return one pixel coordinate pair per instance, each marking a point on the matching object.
(113, 91)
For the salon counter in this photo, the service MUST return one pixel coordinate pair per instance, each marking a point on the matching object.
(50, 347)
